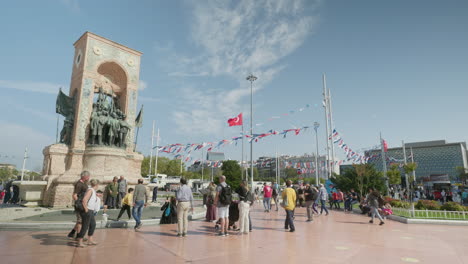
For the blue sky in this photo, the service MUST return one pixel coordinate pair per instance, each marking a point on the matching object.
(396, 67)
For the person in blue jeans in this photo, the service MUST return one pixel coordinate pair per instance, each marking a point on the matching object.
(140, 199)
(323, 196)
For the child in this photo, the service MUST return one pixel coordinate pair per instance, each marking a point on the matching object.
(126, 204)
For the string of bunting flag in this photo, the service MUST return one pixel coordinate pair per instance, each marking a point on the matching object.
(183, 151)
(351, 155)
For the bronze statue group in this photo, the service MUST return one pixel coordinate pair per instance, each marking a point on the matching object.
(108, 126)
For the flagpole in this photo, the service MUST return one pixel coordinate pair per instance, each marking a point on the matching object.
(157, 155)
(138, 129)
(404, 156)
(202, 163)
(151, 151)
(316, 126)
(251, 78)
(384, 161)
(412, 161)
(56, 132)
(331, 129)
(327, 156)
(242, 158)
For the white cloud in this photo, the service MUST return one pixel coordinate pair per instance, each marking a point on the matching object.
(142, 85)
(30, 86)
(234, 39)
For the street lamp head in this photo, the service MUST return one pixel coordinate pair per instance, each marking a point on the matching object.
(251, 78)
(316, 125)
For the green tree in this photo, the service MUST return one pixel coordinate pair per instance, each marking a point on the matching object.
(290, 172)
(6, 174)
(360, 177)
(394, 175)
(162, 166)
(173, 168)
(255, 173)
(409, 168)
(232, 171)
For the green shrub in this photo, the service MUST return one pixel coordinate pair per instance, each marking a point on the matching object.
(400, 204)
(427, 204)
(452, 206)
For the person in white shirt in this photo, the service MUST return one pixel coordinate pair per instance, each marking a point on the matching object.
(91, 203)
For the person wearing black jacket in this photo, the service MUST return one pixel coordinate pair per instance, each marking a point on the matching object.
(310, 196)
(245, 200)
(169, 215)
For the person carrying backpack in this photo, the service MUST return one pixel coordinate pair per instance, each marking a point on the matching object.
(310, 196)
(373, 200)
(222, 201)
(275, 187)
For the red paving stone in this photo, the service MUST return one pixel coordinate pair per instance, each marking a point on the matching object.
(337, 238)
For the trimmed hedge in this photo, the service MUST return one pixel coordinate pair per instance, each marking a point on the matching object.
(452, 206)
(427, 204)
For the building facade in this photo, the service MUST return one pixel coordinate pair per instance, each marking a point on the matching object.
(432, 158)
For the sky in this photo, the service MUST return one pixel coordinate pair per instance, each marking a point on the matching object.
(399, 68)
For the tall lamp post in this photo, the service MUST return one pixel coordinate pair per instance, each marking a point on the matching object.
(316, 126)
(251, 78)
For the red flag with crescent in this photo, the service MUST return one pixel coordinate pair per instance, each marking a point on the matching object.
(236, 121)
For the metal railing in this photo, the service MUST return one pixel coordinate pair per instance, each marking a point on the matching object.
(431, 214)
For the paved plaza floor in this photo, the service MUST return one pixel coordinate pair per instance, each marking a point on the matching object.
(336, 238)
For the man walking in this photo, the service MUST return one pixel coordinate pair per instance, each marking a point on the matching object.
(81, 186)
(289, 204)
(267, 193)
(223, 200)
(140, 198)
(323, 198)
(275, 193)
(122, 190)
(112, 193)
(373, 200)
(184, 199)
(310, 197)
(155, 194)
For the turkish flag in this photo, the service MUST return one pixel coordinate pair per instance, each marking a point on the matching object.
(385, 145)
(236, 121)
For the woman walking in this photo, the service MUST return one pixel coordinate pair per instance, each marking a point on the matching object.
(169, 215)
(91, 203)
(244, 207)
(210, 206)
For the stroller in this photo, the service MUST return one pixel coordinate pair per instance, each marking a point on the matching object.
(233, 216)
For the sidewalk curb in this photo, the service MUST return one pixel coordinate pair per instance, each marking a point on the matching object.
(12, 226)
(405, 220)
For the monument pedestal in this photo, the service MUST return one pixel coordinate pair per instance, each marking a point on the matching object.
(31, 192)
(62, 168)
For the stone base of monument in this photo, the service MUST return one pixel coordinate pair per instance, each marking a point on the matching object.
(62, 168)
(31, 192)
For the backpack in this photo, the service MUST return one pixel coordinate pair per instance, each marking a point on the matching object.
(275, 192)
(225, 197)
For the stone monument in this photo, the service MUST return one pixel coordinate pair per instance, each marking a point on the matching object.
(100, 120)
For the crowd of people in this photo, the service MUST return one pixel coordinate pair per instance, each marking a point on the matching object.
(226, 208)
(9, 193)
(441, 195)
